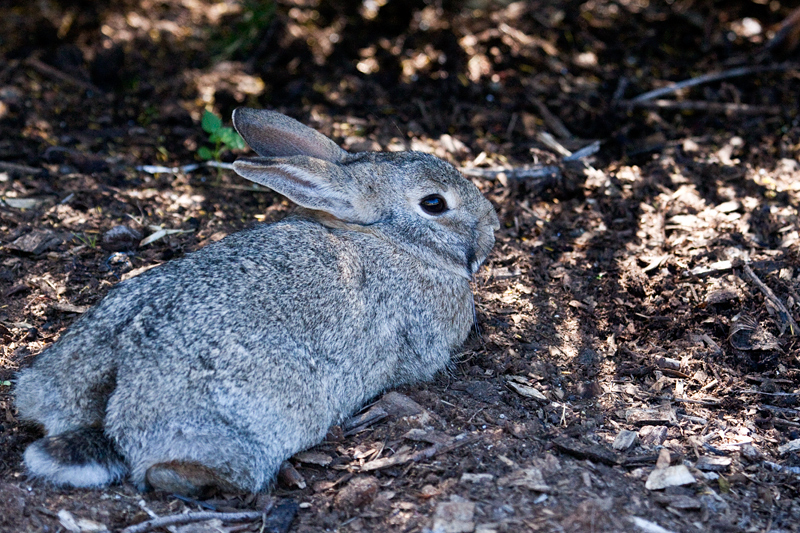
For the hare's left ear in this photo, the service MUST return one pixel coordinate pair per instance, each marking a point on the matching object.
(312, 183)
(272, 134)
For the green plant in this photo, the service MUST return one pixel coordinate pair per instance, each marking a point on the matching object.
(88, 239)
(222, 137)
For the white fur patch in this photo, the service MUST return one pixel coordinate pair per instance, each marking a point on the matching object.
(40, 464)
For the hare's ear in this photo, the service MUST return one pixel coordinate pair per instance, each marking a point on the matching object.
(309, 182)
(272, 134)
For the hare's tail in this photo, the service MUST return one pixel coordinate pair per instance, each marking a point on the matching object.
(79, 458)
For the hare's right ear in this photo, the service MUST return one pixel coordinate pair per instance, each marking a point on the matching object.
(272, 134)
(311, 182)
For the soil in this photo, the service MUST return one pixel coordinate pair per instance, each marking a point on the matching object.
(636, 315)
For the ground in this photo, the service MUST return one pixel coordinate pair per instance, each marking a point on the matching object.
(635, 319)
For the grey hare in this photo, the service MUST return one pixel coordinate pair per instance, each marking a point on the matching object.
(209, 371)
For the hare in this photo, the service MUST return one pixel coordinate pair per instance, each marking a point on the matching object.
(210, 370)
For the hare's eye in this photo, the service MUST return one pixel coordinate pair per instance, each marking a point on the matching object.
(433, 204)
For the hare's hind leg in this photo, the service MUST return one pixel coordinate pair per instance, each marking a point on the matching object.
(193, 454)
(79, 458)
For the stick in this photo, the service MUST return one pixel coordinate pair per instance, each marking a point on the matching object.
(785, 314)
(550, 119)
(714, 76)
(187, 518)
(787, 28)
(47, 70)
(426, 453)
(711, 107)
(517, 173)
(22, 169)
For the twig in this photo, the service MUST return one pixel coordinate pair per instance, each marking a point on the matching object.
(711, 107)
(185, 169)
(552, 121)
(47, 70)
(787, 29)
(785, 314)
(22, 169)
(744, 391)
(426, 453)
(517, 173)
(187, 518)
(714, 76)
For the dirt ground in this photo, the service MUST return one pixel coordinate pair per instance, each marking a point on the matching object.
(636, 367)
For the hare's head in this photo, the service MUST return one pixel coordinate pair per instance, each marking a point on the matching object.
(415, 200)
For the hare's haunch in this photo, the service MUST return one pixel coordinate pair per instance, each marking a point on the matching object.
(211, 370)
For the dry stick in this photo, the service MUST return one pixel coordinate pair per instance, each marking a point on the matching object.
(714, 76)
(187, 518)
(426, 453)
(787, 28)
(551, 120)
(22, 169)
(47, 70)
(772, 298)
(711, 107)
(517, 173)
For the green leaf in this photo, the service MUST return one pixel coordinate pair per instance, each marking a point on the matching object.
(215, 137)
(205, 153)
(231, 139)
(210, 122)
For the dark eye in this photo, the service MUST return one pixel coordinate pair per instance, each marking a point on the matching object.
(433, 204)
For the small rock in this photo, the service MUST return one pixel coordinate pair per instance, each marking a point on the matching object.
(358, 492)
(455, 516)
(625, 440)
(672, 476)
(120, 238)
(709, 463)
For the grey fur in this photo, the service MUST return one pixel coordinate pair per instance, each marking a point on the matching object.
(239, 355)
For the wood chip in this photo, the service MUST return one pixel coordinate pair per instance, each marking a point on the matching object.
(673, 476)
(66, 307)
(408, 457)
(593, 452)
(456, 516)
(522, 386)
(362, 421)
(290, 477)
(647, 526)
(358, 492)
(653, 435)
(625, 440)
(640, 417)
(791, 446)
(313, 458)
(708, 463)
(36, 242)
(528, 478)
(476, 478)
(79, 525)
